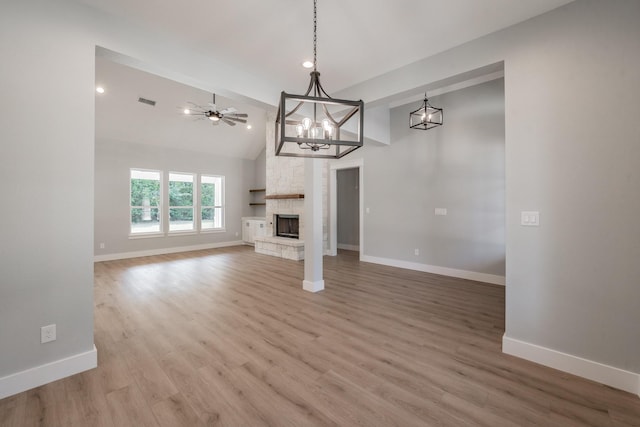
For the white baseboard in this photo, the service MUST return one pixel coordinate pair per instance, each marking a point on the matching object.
(348, 247)
(164, 251)
(595, 371)
(444, 271)
(310, 286)
(44, 374)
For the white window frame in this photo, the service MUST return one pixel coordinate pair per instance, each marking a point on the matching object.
(194, 204)
(138, 235)
(220, 205)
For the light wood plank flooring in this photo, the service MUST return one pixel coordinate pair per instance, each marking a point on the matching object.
(228, 337)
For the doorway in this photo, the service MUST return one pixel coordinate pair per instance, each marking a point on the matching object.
(348, 209)
(346, 189)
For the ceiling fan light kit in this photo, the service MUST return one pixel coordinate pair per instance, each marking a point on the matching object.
(315, 124)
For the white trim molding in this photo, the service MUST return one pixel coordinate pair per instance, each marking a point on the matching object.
(164, 251)
(595, 371)
(435, 269)
(348, 247)
(310, 286)
(49, 372)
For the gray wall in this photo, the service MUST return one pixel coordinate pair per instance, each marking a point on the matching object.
(573, 282)
(458, 166)
(348, 209)
(113, 160)
(572, 153)
(46, 166)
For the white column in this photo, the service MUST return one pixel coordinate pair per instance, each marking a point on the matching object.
(313, 281)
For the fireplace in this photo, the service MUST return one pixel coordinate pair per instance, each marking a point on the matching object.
(287, 226)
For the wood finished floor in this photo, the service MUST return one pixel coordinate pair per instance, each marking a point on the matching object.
(228, 337)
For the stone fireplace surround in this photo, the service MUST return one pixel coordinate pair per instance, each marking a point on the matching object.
(282, 247)
(285, 175)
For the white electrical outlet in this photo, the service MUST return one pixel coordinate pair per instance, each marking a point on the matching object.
(101, 245)
(47, 333)
(236, 234)
(416, 251)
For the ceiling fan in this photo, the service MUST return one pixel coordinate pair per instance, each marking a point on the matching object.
(228, 115)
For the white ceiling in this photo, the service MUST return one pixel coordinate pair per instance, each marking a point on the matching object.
(357, 40)
(120, 117)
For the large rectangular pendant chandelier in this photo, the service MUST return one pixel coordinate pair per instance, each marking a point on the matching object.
(316, 125)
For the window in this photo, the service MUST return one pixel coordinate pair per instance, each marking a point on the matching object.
(211, 202)
(145, 201)
(181, 197)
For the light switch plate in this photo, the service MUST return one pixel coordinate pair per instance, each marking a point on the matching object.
(530, 218)
(441, 211)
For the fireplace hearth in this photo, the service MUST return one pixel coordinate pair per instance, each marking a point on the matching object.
(287, 226)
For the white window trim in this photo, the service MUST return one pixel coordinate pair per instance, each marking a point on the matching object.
(222, 208)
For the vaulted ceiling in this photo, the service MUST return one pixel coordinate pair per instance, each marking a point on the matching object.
(357, 40)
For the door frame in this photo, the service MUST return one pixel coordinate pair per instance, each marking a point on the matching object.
(334, 167)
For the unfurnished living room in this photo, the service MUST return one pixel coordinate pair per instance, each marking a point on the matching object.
(320, 212)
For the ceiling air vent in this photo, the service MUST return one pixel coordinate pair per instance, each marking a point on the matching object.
(147, 101)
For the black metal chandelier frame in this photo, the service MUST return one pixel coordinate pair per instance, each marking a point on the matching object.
(426, 117)
(313, 137)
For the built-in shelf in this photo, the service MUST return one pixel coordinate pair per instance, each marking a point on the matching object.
(257, 200)
(284, 196)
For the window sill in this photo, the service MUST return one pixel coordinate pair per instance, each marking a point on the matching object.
(145, 235)
(213, 230)
(182, 233)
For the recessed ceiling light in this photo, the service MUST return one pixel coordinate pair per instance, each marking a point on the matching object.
(100, 89)
(187, 111)
(248, 126)
(307, 64)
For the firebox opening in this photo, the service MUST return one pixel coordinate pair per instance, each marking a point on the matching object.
(287, 226)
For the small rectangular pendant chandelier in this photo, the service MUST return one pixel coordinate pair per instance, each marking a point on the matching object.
(316, 125)
(426, 117)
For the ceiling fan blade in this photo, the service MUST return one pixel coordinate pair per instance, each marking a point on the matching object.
(239, 115)
(227, 121)
(229, 110)
(235, 119)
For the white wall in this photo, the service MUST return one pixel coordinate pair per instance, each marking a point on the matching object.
(112, 164)
(572, 153)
